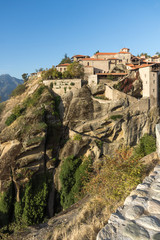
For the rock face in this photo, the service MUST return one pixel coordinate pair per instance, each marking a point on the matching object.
(44, 127)
(139, 218)
(108, 122)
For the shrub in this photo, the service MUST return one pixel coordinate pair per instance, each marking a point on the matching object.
(17, 111)
(10, 119)
(72, 174)
(115, 117)
(32, 101)
(34, 200)
(77, 137)
(147, 145)
(115, 177)
(51, 85)
(6, 205)
(18, 90)
(72, 83)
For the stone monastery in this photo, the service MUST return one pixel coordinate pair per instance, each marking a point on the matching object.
(132, 75)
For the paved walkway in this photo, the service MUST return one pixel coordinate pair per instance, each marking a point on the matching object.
(139, 218)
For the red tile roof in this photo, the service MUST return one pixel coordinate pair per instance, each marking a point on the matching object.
(63, 65)
(78, 56)
(141, 66)
(101, 53)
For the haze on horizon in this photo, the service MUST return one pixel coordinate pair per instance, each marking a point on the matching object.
(37, 34)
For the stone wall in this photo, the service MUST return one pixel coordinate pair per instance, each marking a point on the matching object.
(93, 80)
(61, 86)
(114, 94)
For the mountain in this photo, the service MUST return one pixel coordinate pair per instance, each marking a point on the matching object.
(7, 85)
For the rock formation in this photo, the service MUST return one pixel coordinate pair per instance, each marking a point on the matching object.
(46, 127)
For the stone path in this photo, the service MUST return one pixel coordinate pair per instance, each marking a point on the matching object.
(139, 218)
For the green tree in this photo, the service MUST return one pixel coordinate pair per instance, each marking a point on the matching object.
(25, 77)
(96, 52)
(40, 70)
(76, 70)
(66, 59)
(52, 73)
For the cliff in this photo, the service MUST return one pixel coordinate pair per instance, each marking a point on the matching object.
(39, 129)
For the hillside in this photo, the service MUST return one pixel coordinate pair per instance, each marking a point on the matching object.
(49, 142)
(7, 85)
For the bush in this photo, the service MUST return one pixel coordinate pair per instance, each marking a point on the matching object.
(18, 90)
(77, 137)
(10, 119)
(51, 85)
(72, 174)
(17, 111)
(115, 117)
(6, 205)
(147, 145)
(34, 100)
(35, 200)
(72, 83)
(113, 180)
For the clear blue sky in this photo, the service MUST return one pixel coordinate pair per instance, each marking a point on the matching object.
(37, 33)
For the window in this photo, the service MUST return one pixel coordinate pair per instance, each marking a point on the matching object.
(146, 82)
(153, 90)
(60, 69)
(153, 74)
(145, 75)
(154, 81)
(87, 63)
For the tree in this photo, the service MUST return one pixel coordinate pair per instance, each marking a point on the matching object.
(75, 70)
(39, 70)
(66, 59)
(97, 51)
(146, 55)
(52, 73)
(25, 77)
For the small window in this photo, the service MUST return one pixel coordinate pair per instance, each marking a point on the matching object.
(154, 81)
(60, 69)
(146, 82)
(87, 63)
(153, 90)
(153, 74)
(145, 75)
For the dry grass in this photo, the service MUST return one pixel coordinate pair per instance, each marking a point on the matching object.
(89, 221)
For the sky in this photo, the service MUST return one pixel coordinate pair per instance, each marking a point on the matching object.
(38, 33)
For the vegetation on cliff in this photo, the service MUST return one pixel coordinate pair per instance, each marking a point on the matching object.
(74, 70)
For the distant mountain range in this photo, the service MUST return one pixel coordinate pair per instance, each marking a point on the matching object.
(7, 85)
